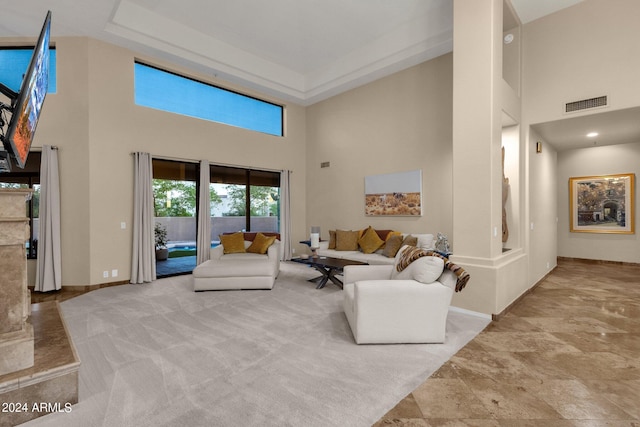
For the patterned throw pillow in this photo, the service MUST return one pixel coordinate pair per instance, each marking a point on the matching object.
(346, 240)
(370, 242)
(232, 243)
(261, 243)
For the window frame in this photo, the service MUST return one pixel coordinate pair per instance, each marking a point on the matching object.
(211, 85)
(247, 182)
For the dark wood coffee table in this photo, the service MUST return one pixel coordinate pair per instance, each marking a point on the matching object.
(329, 267)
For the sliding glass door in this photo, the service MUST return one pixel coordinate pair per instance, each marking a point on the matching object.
(264, 191)
(175, 189)
(243, 200)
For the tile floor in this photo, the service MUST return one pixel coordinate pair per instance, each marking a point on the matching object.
(53, 378)
(568, 354)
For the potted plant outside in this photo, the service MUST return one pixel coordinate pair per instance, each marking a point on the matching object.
(162, 253)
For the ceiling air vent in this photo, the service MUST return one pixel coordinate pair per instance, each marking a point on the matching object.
(585, 104)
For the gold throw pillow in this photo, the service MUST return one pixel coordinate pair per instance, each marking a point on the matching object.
(261, 243)
(346, 240)
(370, 242)
(232, 243)
(332, 239)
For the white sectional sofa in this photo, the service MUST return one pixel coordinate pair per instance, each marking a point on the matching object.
(425, 241)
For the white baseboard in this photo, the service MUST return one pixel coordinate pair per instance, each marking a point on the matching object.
(471, 313)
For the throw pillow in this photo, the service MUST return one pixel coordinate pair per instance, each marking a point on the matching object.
(426, 269)
(391, 247)
(332, 239)
(346, 240)
(383, 234)
(399, 258)
(410, 240)
(232, 243)
(389, 235)
(425, 241)
(370, 242)
(261, 243)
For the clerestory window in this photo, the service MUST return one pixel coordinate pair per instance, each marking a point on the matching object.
(14, 62)
(166, 91)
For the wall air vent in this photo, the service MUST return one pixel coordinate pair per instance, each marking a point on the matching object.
(585, 104)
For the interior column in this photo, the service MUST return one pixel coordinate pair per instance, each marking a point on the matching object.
(477, 157)
(16, 333)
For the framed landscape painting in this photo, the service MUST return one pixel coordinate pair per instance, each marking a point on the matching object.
(396, 194)
(602, 204)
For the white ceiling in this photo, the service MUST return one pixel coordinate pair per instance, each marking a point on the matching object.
(613, 127)
(298, 50)
(302, 51)
(530, 10)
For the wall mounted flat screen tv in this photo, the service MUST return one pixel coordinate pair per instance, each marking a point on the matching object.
(28, 103)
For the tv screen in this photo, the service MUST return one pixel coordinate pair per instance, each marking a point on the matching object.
(26, 110)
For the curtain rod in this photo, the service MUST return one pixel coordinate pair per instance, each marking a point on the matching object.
(178, 159)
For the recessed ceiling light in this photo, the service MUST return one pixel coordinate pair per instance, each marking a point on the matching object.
(592, 134)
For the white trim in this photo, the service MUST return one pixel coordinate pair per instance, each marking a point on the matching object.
(471, 313)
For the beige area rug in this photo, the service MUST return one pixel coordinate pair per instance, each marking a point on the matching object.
(162, 355)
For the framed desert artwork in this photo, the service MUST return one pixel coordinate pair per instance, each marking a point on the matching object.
(602, 204)
(398, 194)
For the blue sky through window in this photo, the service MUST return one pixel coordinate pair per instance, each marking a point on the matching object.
(14, 64)
(166, 91)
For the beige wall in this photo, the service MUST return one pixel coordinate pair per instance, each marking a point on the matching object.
(586, 50)
(477, 130)
(95, 123)
(511, 58)
(623, 158)
(65, 123)
(396, 124)
(543, 208)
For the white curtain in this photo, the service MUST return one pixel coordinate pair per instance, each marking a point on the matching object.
(143, 264)
(48, 267)
(285, 215)
(204, 215)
